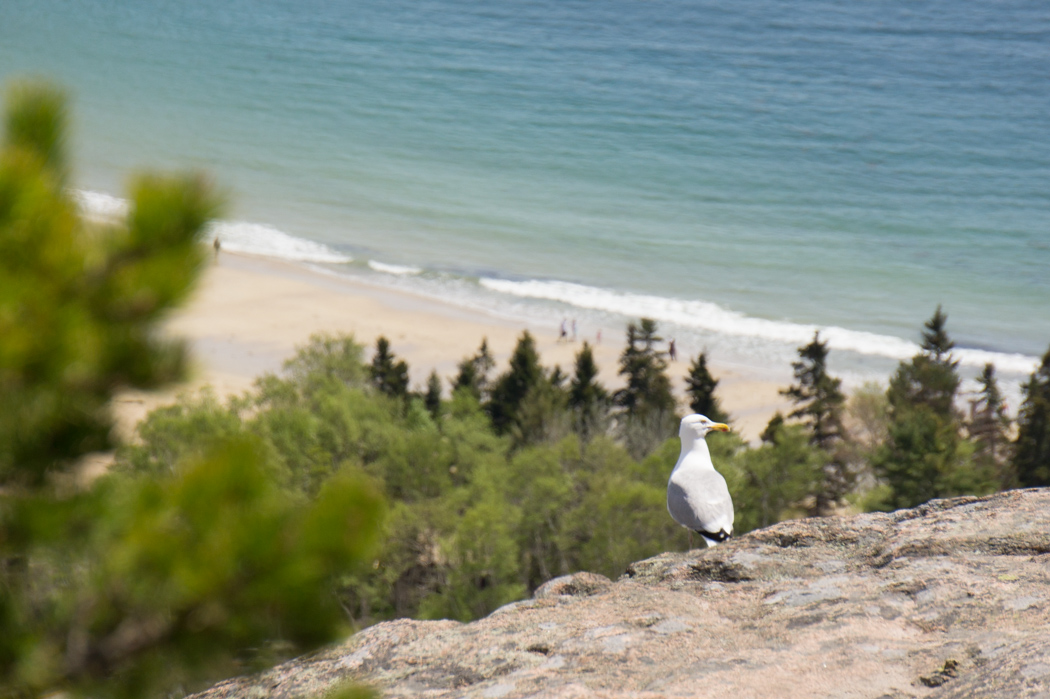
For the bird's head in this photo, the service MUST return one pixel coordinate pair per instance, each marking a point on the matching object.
(697, 426)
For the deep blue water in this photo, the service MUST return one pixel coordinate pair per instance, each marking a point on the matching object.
(743, 173)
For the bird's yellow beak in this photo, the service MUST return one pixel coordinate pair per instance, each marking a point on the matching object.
(720, 426)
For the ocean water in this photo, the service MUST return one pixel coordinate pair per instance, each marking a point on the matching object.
(745, 174)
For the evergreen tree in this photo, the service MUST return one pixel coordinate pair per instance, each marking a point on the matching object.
(931, 378)
(700, 387)
(511, 388)
(820, 402)
(388, 374)
(432, 398)
(924, 456)
(79, 309)
(644, 369)
(989, 428)
(153, 583)
(473, 372)
(588, 399)
(772, 428)
(543, 417)
(1032, 447)
(646, 402)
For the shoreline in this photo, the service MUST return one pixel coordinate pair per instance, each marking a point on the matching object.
(250, 313)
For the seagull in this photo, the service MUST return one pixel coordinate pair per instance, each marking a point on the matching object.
(697, 495)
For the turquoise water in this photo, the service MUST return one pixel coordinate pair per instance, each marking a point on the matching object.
(745, 174)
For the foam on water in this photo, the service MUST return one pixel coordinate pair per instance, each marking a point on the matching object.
(260, 239)
(399, 270)
(235, 236)
(703, 315)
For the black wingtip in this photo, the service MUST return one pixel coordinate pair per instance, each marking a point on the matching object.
(721, 536)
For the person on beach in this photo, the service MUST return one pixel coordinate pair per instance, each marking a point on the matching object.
(671, 351)
(563, 334)
(217, 245)
(574, 330)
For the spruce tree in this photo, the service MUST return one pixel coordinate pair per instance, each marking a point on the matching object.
(472, 374)
(931, 378)
(647, 406)
(543, 416)
(588, 399)
(1032, 446)
(819, 402)
(700, 387)
(432, 398)
(772, 428)
(924, 456)
(388, 374)
(511, 388)
(647, 389)
(989, 428)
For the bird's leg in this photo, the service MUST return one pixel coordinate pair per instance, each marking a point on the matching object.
(690, 539)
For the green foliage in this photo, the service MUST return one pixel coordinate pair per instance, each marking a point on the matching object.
(511, 388)
(1032, 447)
(644, 368)
(432, 397)
(184, 430)
(181, 574)
(819, 403)
(588, 400)
(817, 395)
(193, 559)
(544, 416)
(700, 387)
(776, 481)
(474, 371)
(924, 455)
(483, 564)
(989, 428)
(79, 308)
(925, 458)
(35, 124)
(646, 402)
(931, 378)
(328, 358)
(388, 374)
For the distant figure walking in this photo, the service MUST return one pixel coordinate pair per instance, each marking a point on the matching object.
(563, 334)
(672, 352)
(598, 338)
(574, 330)
(218, 246)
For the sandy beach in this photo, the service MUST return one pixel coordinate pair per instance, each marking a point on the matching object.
(248, 315)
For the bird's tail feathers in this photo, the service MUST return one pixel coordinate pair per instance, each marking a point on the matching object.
(714, 538)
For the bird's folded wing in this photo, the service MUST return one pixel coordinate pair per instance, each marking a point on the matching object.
(703, 498)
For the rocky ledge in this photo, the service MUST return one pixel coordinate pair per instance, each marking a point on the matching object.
(950, 599)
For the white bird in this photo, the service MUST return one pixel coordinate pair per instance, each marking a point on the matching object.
(697, 495)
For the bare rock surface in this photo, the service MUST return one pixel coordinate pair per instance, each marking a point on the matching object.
(950, 599)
